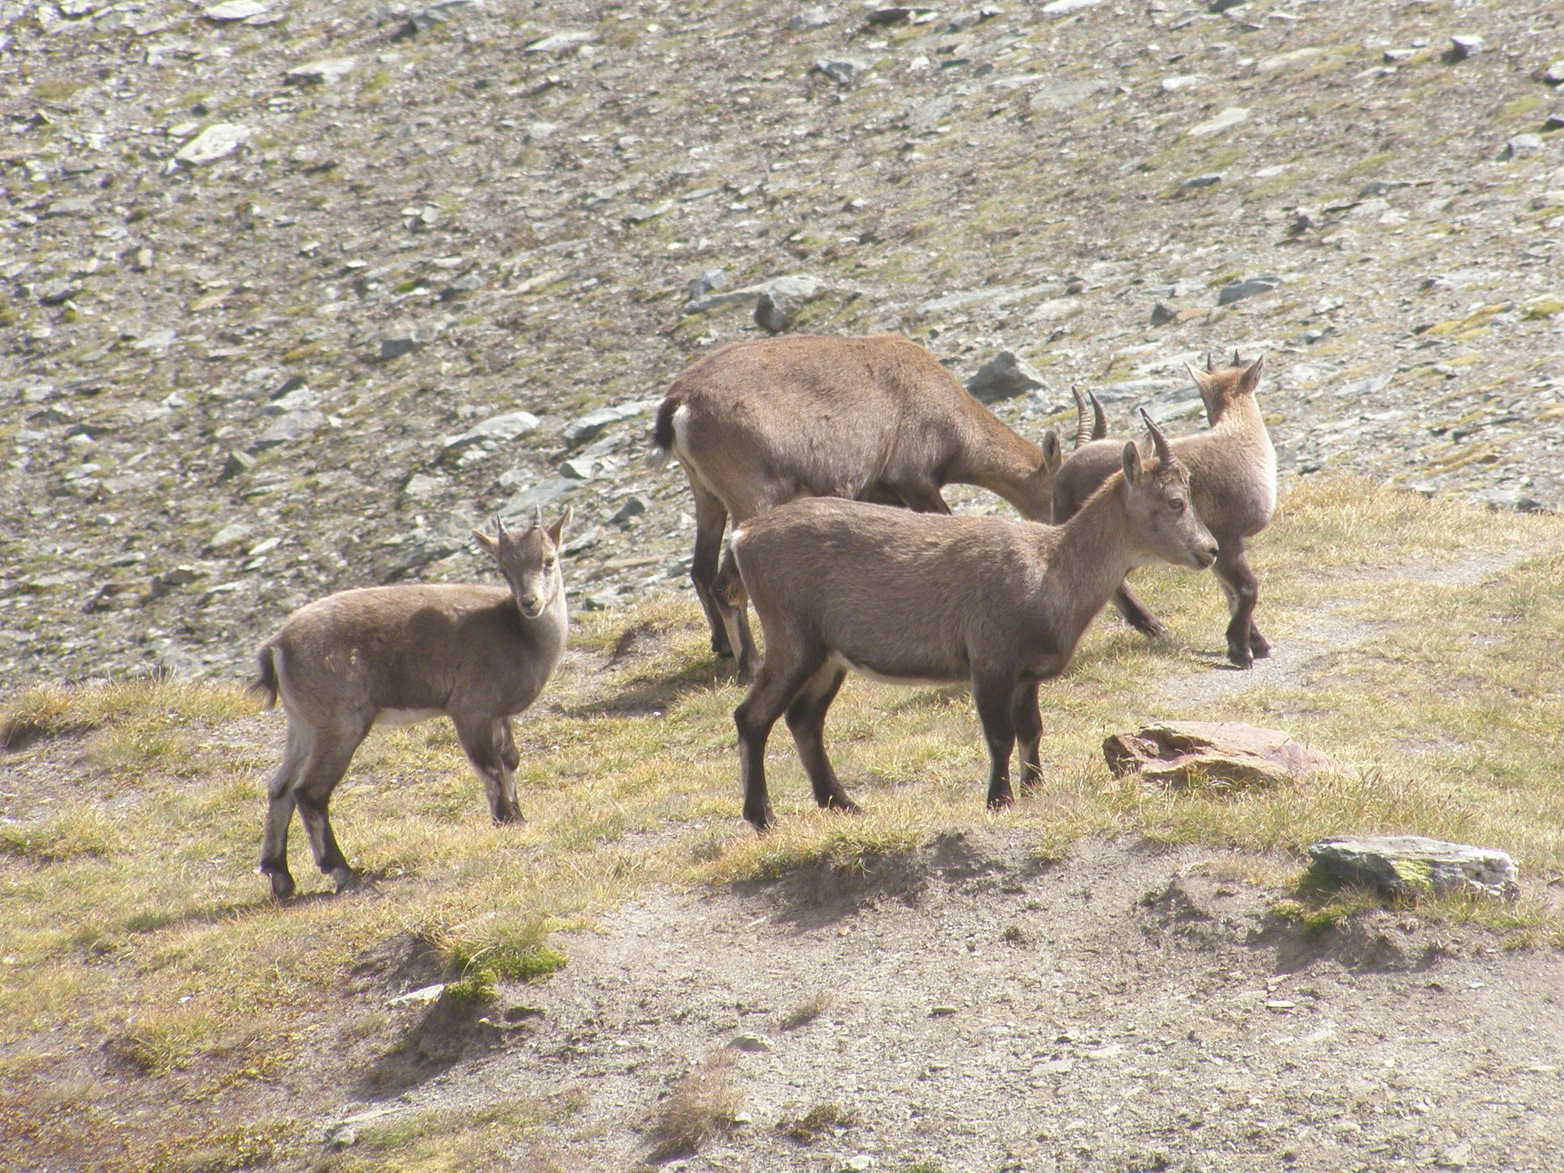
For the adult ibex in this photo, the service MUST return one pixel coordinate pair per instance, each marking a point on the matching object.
(761, 422)
(913, 598)
(395, 654)
(1232, 473)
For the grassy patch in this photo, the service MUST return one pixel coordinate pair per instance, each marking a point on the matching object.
(134, 925)
(702, 1106)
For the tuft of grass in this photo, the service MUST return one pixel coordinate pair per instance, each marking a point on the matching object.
(807, 1011)
(702, 1106)
(824, 1119)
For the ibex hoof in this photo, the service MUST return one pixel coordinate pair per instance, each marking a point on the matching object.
(345, 878)
(282, 885)
(843, 804)
(762, 820)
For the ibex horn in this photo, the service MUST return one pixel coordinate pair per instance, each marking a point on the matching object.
(1164, 449)
(537, 517)
(499, 527)
(1209, 367)
(1237, 362)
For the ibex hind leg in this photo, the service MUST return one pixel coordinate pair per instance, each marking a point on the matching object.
(806, 721)
(1245, 644)
(327, 762)
(733, 609)
(279, 812)
(711, 516)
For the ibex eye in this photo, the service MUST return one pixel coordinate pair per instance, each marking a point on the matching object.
(1176, 505)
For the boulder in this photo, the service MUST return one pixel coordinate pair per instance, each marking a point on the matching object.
(1002, 377)
(1412, 865)
(1217, 753)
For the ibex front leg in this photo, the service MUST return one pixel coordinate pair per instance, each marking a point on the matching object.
(485, 740)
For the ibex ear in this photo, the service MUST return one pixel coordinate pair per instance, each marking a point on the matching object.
(1250, 379)
(1053, 451)
(485, 543)
(558, 528)
(1132, 463)
(1202, 380)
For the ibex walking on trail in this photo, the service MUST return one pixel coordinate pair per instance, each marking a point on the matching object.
(1232, 475)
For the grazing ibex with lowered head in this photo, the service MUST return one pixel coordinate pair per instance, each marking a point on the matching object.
(395, 654)
(916, 597)
(1232, 474)
(877, 418)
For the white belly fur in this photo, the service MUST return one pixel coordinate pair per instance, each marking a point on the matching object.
(406, 716)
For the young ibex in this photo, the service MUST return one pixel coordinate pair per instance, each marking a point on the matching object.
(395, 654)
(761, 422)
(913, 598)
(1232, 471)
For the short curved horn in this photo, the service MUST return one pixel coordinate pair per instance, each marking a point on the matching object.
(499, 528)
(537, 517)
(1164, 449)
(1082, 426)
(1209, 367)
(1237, 362)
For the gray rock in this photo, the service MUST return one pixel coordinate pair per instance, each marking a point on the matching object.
(1199, 181)
(579, 468)
(1162, 314)
(796, 287)
(1463, 46)
(1520, 144)
(1224, 5)
(1221, 754)
(633, 506)
(1412, 865)
(230, 537)
(323, 72)
(217, 141)
(427, 18)
(707, 283)
(809, 18)
(1250, 287)
(499, 429)
(1066, 7)
(287, 428)
(234, 10)
(545, 492)
(1226, 120)
(559, 43)
(585, 427)
(844, 71)
(1003, 377)
(774, 311)
(1554, 73)
(237, 464)
(421, 487)
(399, 340)
(751, 1043)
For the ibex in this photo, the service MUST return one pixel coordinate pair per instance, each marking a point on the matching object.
(396, 654)
(761, 422)
(914, 598)
(1232, 471)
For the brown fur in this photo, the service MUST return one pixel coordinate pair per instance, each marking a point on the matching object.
(1232, 470)
(477, 653)
(762, 422)
(911, 597)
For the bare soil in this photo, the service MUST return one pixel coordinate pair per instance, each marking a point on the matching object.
(1128, 1007)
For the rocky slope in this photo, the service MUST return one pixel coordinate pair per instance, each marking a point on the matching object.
(295, 294)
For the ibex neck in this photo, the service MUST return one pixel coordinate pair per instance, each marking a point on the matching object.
(1093, 555)
(1004, 463)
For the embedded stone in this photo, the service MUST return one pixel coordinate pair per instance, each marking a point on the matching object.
(1220, 754)
(1413, 865)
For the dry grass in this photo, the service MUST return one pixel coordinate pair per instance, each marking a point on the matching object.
(134, 925)
(701, 1106)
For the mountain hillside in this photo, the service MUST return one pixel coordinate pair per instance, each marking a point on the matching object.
(296, 294)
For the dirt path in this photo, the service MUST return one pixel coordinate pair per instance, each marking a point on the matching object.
(1127, 1008)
